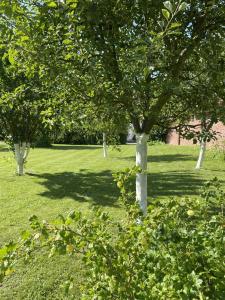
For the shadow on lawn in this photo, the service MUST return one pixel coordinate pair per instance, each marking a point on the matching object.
(4, 149)
(61, 147)
(75, 147)
(174, 183)
(99, 188)
(164, 158)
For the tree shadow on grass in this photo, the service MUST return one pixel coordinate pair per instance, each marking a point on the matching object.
(4, 149)
(85, 186)
(174, 183)
(98, 188)
(164, 158)
(75, 147)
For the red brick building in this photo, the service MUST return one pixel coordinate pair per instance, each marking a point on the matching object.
(174, 138)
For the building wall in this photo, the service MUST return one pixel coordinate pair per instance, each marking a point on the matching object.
(173, 137)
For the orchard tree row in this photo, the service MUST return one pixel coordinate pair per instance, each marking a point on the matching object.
(105, 64)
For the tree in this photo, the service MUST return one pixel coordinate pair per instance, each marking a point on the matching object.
(21, 104)
(103, 121)
(206, 98)
(135, 53)
(23, 94)
(129, 55)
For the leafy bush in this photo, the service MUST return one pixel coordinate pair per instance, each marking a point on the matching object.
(175, 252)
(84, 137)
(44, 140)
(158, 134)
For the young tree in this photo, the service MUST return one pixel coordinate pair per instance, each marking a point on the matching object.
(22, 93)
(110, 125)
(205, 93)
(21, 104)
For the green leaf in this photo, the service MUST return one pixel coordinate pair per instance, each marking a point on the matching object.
(52, 4)
(166, 13)
(168, 5)
(183, 6)
(146, 71)
(152, 32)
(68, 56)
(24, 38)
(11, 56)
(8, 10)
(11, 246)
(91, 93)
(67, 42)
(34, 222)
(9, 271)
(3, 252)
(25, 235)
(73, 5)
(175, 32)
(175, 25)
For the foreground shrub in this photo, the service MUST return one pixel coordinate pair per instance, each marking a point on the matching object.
(175, 252)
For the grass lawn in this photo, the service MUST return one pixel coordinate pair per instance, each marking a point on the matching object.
(77, 177)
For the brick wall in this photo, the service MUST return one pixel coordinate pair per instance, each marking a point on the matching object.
(173, 137)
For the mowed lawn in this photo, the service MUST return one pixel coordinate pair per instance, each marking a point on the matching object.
(65, 178)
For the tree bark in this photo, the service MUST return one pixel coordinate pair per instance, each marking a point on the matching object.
(201, 155)
(105, 152)
(141, 178)
(21, 154)
(26, 152)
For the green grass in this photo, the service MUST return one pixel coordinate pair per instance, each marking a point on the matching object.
(77, 177)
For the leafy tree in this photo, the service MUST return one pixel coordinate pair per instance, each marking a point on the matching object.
(206, 98)
(135, 53)
(101, 120)
(24, 94)
(21, 104)
(126, 55)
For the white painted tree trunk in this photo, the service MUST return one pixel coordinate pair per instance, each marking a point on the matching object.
(141, 178)
(201, 155)
(105, 152)
(27, 152)
(21, 154)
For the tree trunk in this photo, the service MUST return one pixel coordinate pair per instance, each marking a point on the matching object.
(201, 155)
(141, 178)
(21, 153)
(20, 168)
(27, 152)
(105, 153)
